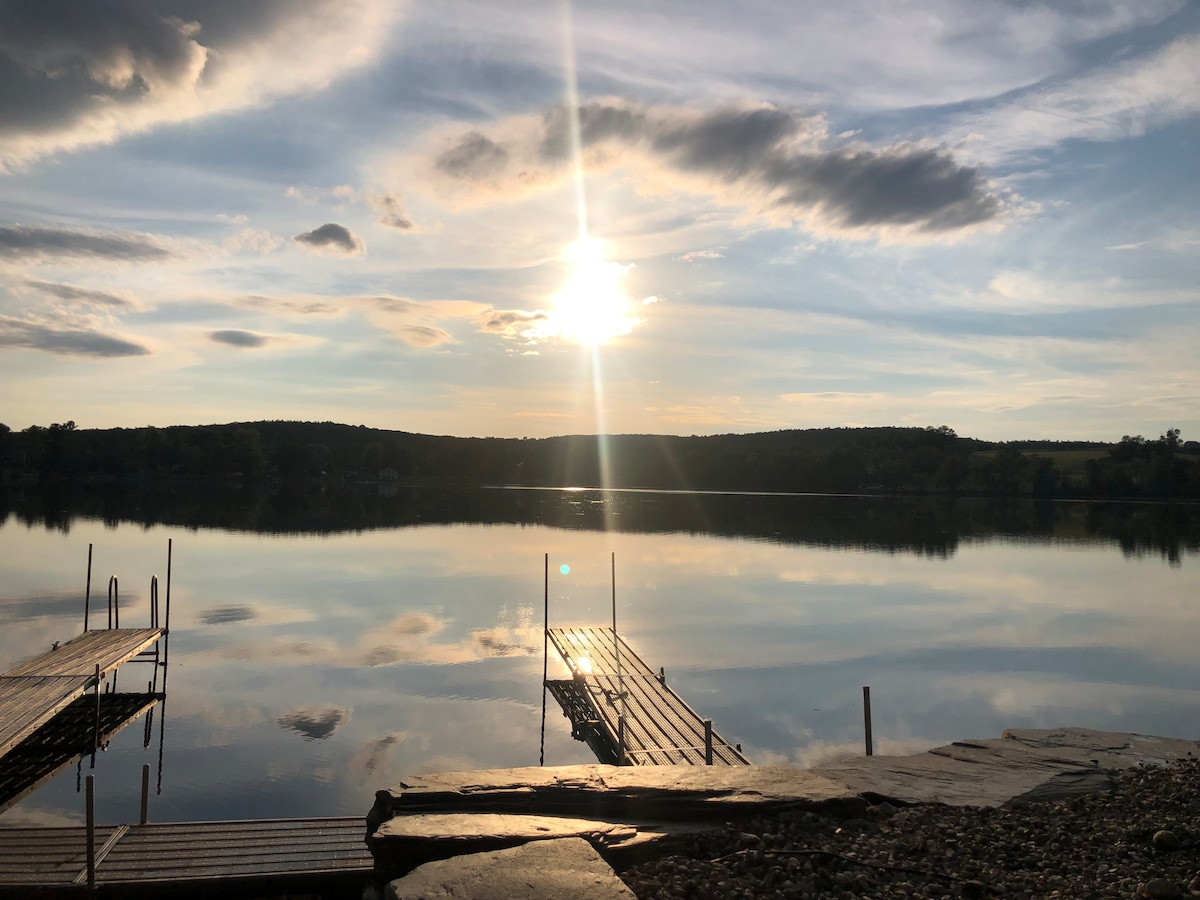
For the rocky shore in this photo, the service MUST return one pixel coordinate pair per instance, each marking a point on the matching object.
(1138, 839)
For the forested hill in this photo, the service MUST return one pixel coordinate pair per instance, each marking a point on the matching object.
(919, 460)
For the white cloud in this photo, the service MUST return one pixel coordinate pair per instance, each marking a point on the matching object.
(1110, 103)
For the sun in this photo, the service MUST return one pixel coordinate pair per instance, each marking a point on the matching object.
(593, 307)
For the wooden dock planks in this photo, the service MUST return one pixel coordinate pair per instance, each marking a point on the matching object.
(184, 852)
(35, 691)
(660, 728)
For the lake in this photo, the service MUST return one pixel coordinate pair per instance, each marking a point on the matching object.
(325, 643)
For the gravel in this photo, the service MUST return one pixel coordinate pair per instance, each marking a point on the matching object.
(1140, 839)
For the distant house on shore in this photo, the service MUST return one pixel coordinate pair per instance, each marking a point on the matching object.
(388, 474)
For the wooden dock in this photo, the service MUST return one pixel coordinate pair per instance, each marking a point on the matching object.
(263, 853)
(35, 691)
(68, 737)
(611, 683)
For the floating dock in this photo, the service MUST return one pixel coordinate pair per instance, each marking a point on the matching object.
(268, 853)
(625, 711)
(37, 690)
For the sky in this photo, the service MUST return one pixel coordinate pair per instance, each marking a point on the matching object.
(536, 218)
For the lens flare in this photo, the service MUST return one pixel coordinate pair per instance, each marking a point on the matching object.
(593, 307)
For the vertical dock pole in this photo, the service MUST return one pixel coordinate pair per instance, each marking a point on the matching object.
(96, 724)
(708, 742)
(620, 676)
(91, 832)
(867, 719)
(87, 591)
(167, 623)
(145, 816)
(545, 650)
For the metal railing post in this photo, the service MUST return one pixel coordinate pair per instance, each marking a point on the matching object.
(867, 720)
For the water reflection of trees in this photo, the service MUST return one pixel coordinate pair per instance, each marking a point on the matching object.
(924, 525)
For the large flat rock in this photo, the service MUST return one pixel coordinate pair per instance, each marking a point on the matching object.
(1023, 765)
(566, 867)
(619, 808)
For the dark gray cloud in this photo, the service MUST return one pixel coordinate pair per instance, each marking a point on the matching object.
(474, 156)
(73, 293)
(222, 615)
(332, 238)
(76, 72)
(314, 725)
(392, 212)
(765, 157)
(31, 241)
(65, 341)
(237, 338)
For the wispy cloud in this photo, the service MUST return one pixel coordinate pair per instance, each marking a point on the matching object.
(36, 242)
(700, 254)
(392, 212)
(1107, 103)
(65, 341)
(72, 293)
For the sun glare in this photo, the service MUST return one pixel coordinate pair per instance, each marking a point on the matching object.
(593, 307)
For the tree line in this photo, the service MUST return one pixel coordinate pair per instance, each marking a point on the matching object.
(932, 460)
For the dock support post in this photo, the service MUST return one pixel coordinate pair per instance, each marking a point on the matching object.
(167, 623)
(96, 723)
(545, 649)
(145, 816)
(87, 591)
(91, 832)
(708, 742)
(867, 719)
(620, 674)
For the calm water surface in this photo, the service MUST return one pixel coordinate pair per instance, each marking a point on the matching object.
(309, 669)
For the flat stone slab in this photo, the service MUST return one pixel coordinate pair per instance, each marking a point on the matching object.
(565, 867)
(416, 820)
(1025, 764)
(464, 828)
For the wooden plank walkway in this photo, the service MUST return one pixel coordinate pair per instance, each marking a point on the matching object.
(184, 852)
(660, 728)
(33, 692)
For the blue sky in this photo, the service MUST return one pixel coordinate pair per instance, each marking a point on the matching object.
(531, 219)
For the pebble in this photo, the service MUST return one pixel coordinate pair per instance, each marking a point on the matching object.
(1166, 841)
(1132, 841)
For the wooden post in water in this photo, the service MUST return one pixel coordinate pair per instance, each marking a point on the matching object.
(87, 591)
(708, 742)
(867, 719)
(620, 677)
(145, 816)
(545, 650)
(90, 804)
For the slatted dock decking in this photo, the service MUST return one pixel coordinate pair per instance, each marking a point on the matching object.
(660, 728)
(185, 852)
(33, 692)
